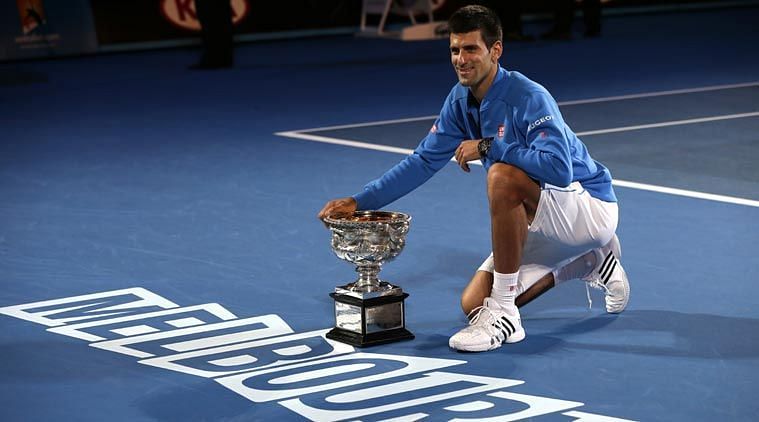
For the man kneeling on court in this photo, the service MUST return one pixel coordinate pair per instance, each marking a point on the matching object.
(552, 207)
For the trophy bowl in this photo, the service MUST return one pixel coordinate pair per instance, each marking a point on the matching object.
(368, 239)
(369, 310)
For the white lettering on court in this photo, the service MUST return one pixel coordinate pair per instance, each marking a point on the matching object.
(262, 359)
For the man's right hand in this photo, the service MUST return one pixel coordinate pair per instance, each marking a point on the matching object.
(466, 152)
(338, 207)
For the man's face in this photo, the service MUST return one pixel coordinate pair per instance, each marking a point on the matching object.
(471, 58)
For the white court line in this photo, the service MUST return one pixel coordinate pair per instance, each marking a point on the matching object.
(660, 93)
(615, 182)
(298, 134)
(688, 193)
(561, 103)
(375, 123)
(358, 144)
(345, 142)
(671, 123)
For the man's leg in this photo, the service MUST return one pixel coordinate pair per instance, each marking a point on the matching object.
(570, 224)
(591, 13)
(564, 12)
(482, 282)
(599, 268)
(215, 19)
(513, 199)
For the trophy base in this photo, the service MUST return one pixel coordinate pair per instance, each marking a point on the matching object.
(373, 339)
(371, 321)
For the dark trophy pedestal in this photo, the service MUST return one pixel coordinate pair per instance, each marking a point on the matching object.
(367, 321)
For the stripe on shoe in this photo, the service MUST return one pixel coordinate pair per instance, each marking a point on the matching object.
(507, 329)
(607, 268)
(511, 326)
(610, 271)
(608, 261)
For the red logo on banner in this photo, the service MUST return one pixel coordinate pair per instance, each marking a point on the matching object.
(32, 14)
(501, 131)
(182, 13)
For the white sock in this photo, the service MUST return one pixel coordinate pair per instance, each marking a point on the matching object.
(578, 268)
(504, 290)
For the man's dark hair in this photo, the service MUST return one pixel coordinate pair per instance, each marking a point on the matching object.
(473, 18)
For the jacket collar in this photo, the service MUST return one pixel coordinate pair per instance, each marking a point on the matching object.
(500, 75)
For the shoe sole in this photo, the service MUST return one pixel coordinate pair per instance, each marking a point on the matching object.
(514, 338)
(473, 350)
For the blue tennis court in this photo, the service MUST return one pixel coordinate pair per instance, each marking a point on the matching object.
(161, 259)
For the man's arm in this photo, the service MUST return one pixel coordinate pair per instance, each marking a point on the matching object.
(431, 155)
(546, 154)
(433, 152)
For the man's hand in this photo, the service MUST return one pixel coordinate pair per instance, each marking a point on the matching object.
(467, 151)
(338, 207)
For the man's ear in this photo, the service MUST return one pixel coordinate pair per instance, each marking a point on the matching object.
(496, 50)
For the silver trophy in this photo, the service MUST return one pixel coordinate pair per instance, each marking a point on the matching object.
(369, 311)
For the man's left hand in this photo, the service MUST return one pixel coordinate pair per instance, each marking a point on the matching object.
(466, 152)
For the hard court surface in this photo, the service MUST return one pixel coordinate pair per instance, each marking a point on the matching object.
(127, 177)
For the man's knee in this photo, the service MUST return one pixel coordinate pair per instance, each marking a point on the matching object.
(508, 182)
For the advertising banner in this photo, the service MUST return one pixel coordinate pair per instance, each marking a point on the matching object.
(146, 21)
(44, 28)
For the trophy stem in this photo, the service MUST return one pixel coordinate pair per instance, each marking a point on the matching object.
(367, 277)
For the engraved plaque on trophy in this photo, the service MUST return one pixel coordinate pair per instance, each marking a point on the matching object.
(369, 311)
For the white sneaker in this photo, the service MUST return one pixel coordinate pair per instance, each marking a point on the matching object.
(489, 327)
(609, 276)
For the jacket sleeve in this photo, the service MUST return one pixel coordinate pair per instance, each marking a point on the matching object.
(545, 153)
(433, 152)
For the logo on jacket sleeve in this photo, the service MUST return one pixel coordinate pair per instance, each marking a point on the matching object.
(433, 129)
(539, 122)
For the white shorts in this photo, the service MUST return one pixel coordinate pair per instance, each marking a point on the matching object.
(568, 223)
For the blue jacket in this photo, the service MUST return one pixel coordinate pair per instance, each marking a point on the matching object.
(528, 132)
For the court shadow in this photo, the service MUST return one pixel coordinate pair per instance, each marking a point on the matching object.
(655, 333)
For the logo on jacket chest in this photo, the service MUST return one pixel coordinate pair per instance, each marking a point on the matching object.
(501, 131)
